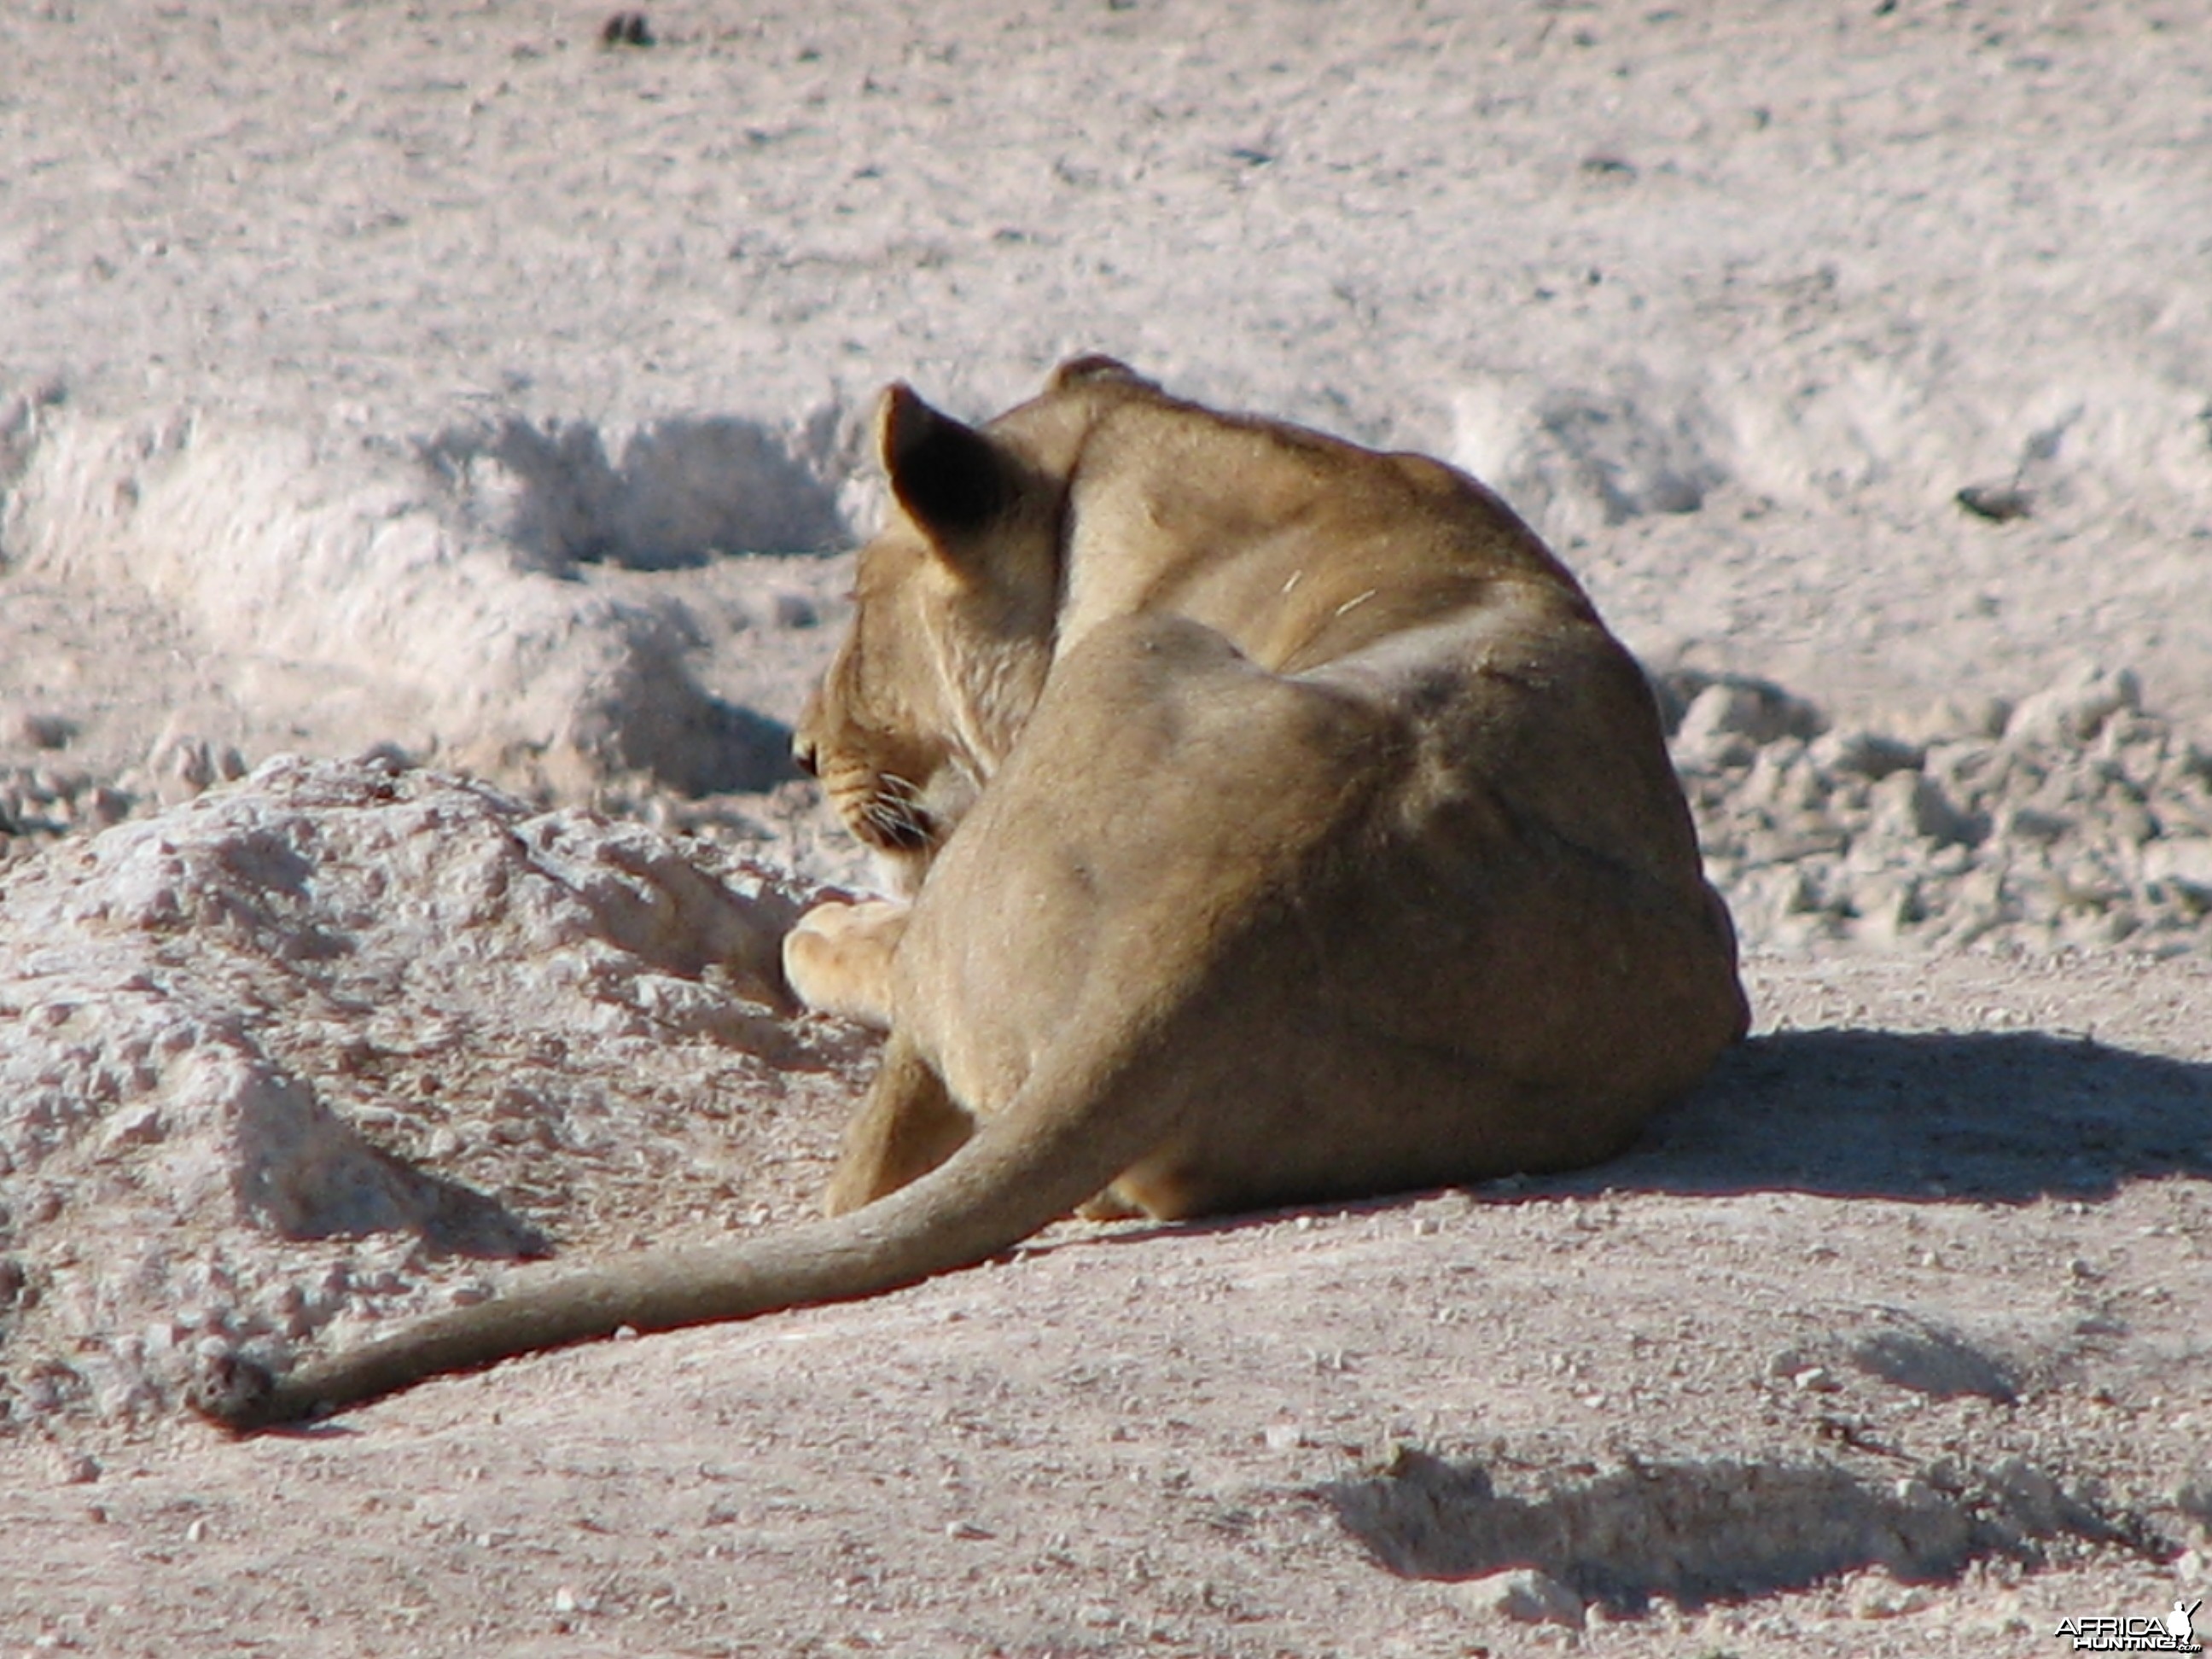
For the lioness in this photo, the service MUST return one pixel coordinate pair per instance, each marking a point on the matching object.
(1280, 823)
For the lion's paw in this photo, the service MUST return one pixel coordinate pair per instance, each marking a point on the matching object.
(838, 958)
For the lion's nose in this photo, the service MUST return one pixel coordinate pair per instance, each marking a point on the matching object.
(802, 753)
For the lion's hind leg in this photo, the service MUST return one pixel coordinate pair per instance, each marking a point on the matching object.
(908, 1126)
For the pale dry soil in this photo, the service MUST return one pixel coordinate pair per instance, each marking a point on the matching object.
(1892, 1340)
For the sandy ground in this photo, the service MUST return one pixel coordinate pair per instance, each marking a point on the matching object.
(439, 378)
(1891, 1342)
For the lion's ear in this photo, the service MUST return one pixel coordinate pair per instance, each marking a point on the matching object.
(1094, 368)
(950, 478)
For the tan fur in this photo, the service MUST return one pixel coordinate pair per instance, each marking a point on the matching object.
(1280, 821)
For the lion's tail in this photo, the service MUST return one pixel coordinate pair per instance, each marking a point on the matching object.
(1059, 1142)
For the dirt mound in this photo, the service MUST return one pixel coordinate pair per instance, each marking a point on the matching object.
(430, 599)
(354, 1002)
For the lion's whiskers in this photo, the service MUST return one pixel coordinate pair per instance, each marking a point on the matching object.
(893, 806)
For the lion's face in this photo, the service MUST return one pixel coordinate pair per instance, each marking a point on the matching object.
(952, 628)
(881, 730)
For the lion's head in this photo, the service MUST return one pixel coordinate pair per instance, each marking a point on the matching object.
(955, 606)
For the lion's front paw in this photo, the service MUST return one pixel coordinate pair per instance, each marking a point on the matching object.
(838, 958)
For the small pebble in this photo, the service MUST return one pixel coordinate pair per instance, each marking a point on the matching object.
(39, 728)
(2000, 503)
(76, 1469)
(1524, 1596)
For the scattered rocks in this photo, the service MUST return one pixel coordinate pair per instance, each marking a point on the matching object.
(2076, 818)
(41, 804)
